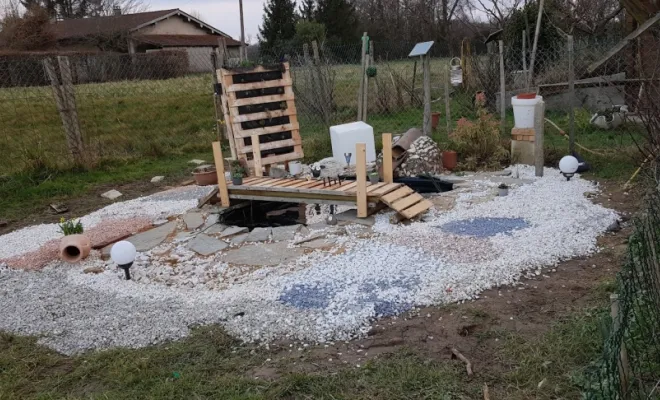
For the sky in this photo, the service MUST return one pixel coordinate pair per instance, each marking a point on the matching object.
(221, 14)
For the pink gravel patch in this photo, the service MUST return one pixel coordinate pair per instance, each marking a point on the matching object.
(101, 235)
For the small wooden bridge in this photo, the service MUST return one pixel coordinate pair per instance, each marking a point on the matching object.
(361, 193)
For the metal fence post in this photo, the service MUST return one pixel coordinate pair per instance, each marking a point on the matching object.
(362, 73)
(447, 99)
(502, 89)
(571, 94)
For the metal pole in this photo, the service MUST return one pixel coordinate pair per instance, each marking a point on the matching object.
(502, 89)
(447, 99)
(571, 95)
(243, 50)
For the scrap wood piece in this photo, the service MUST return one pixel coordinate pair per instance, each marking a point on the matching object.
(210, 197)
(486, 392)
(468, 364)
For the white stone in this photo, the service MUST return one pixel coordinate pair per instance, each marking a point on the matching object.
(112, 194)
(157, 179)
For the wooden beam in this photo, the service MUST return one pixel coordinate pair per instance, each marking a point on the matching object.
(256, 155)
(220, 170)
(388, 173)
(273, 98)
(238, 87)
(619, 46)
(256, 70)
(361, 178)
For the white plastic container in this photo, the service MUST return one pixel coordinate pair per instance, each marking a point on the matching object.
(295, 167)
(345, 137)
(523, 111)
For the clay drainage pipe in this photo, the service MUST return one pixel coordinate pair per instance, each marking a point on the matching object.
(74, 248)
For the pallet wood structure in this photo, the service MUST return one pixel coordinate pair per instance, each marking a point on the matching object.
(399, 197)
(258, 107)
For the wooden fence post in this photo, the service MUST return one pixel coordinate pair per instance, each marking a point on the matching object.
(539, 122)
(362, 72)
(365, 96)
(447, 99)
(623, 364)
(64, 95)
(256, 155)
(502, 89)
(426, 67)
(223, 193)
(361, 178)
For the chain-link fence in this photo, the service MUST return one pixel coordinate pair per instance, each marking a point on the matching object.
(630, 365)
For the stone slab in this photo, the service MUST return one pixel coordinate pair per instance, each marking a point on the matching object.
(319, 244)
(259, 235)
(215, 229)
(285, 232)
(147, 240)
(239, 239)
(193, 220)
(157, 179)
(211, 220)
(206, 245)
(112, 194)
(350, 217)
(233, 230)
(263, 255)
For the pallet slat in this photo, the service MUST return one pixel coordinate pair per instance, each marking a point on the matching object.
(270, 145)
(243, 133)
(405, 202)
(416, 209)
(386, 189)
(237, 87)
(395, 195)
(263, 115)
(273, 98)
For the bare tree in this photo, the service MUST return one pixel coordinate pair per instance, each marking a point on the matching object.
(589, 16)
(497, 11)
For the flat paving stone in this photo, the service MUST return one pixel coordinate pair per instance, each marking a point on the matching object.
(149, 239)
(263, 254)
(211, 220)
(112, 194)
(206, 245)
(215, 229)
(350, 216)
(259, 235)
(239, 239)
(285, 232)
(193, 220)
(322, 243)
(233, 230)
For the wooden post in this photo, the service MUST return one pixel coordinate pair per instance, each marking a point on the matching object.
(223, 193)
(623, 363)
(447, 100)
(502, 89)
(412, 91)
(242, 49)
(365, 96)
(361, 178)
(65, 100)
(325, 102)
(426, 66)
(362, 73)
(388, 172)
(256, 155)
(524, 60)
(571, 95)
(537, 32)
(222, 51)
(539, 122)
(216, 96)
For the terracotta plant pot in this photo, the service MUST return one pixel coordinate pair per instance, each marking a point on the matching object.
(74, 248)
(435, 120)
(526, 96)
(449, 159)
(206, 178)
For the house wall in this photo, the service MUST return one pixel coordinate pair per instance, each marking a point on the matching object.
(174, 25)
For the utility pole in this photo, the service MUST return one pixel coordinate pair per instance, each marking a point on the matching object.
(243, 51)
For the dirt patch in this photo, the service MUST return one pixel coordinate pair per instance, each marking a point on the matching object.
(528, 309)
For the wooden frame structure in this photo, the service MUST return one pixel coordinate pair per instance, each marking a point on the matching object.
(399, 197)
(259, 108)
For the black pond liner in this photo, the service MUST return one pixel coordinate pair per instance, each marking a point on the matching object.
(263, 214)
(420, 184)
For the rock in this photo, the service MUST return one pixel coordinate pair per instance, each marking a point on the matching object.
(206, 245)
(59, 208)
(444, 203)
(93, 270)
(233, 230)
(239, 239)
(424, 157)
(157, 179)
(350, 217)
(265, 254)
(211, 220)
(196, 162)
(149, 239)
(182, 236)
(319, 244)
(215, 229)
(614, 227)
(276, 172)
(285, 232)
(193, 220)
(111, 194)
(315, 236)
(259, 235)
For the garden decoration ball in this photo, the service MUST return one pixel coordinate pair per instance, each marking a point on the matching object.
(568, 165)
(123, 253)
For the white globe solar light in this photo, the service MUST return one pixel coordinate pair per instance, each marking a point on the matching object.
(568, 165)
(123, 253)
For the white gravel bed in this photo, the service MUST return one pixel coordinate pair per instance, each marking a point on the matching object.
(322, 296)
(159, 205)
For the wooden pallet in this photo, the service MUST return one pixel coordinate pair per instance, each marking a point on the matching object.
(259, 106)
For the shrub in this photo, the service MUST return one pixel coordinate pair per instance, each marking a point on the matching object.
(70, 227)
(478, 143)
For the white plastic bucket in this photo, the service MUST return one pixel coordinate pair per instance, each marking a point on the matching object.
(295, 167)
(523, 111)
